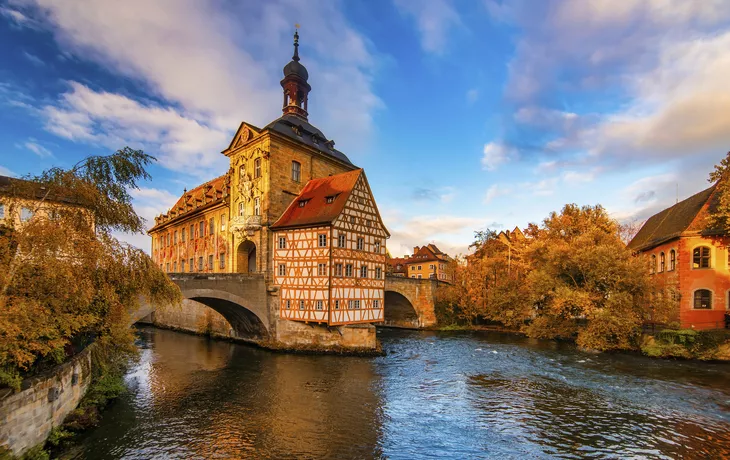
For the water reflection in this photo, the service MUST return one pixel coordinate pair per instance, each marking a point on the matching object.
(435, 395)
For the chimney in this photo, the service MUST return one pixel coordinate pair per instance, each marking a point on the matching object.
(415, 250)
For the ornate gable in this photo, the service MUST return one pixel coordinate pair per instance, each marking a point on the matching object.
(243, 136)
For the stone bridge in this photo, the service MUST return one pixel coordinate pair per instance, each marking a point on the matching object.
(251, 308)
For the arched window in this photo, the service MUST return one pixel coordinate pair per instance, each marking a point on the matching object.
(652, 267)
(662, 262)
(701, 257)
(672, 259)
(703, 299)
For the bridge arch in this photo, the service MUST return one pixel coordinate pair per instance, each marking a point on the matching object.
(398, 311)
(409, 302)
(246, 322)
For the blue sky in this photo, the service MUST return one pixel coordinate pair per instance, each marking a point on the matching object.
(465, 114)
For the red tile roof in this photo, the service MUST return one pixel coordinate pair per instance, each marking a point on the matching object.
(210, 192)
(316, 210)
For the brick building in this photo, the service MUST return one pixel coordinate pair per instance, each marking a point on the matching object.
(692, 261)
(225, 225)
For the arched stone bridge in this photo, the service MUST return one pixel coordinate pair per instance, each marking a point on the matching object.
(251, 307)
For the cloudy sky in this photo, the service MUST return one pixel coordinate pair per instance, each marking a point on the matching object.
(465, 114)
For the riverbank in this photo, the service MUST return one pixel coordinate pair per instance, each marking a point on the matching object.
(685, 344)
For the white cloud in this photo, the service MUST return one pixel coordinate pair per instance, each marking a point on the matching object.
(179, 142)
(496, 154)
(495, 191)
(35, 60)
(435, 20)
(38, 149)
(577, 177)
(218, 63)
(7, 172)
(14, 15)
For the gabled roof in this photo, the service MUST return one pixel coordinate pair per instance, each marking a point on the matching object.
(316, 210)
(205, 194)
(33, 190)
(427, 253)
(671, 222)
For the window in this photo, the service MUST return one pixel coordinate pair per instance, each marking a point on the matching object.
(182, 235)
(701, 257)
(337, 304)
(2, 211)
(241, 208)
(376, 303)
(419, 267)
(321, 270)
(191, 265)
(431, 266)
(167, 267)
(364, 271)
(282, 242)
(348, 270)
(200, 263)
(174, 267)
(192, 233)
(703, 299)
(652, 264)
(413, 276)
(353, 304)
(211, 228)
(223, 222)
(322, 240)
(182, 266)
(319, 305)
(662, 262)
(352, 219)
(222, 261)
(413, 267)
(288, 304)
(419, 277)
(302, 203)
(210, 262)
(301, 305)
(338, 269)
(25, 214)
(330, 199)
(174, 237)
(378, 273)
(360, 244)
(257, 168)
(377, 247)
(341, 240)
(202, 229)
(357, 304)
(282, 269)
(257, 206)
(296, 171)
(367, 222)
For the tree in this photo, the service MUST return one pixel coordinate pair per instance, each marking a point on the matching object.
(719, 215)
(585, 283)
(67, 280)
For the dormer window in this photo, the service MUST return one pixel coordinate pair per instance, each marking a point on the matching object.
(302, 203)
(330, 199)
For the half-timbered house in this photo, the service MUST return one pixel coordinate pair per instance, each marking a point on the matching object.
(329, 253)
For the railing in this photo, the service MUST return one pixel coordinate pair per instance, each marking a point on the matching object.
(246, 222)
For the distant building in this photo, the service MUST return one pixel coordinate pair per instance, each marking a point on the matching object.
(21, 200)
(426, 262)
(690, 259)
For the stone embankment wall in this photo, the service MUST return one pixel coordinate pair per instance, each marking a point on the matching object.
(27, 417)
(299, 335)
(191, 316)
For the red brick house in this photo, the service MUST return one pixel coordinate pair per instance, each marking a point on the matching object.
(689, 258)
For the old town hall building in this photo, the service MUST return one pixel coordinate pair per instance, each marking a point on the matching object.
(292, 207)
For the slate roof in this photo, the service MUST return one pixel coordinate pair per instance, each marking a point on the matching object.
(671, 222)
(316, 210)
(300, 130)
(204, 194)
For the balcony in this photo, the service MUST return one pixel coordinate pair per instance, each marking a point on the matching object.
(249, 224)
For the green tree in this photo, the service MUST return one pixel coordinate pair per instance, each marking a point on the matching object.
(67, 280)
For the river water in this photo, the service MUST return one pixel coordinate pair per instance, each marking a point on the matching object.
(435, 395)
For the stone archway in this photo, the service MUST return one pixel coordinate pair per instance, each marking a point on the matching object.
(246, 257)
(398, 311)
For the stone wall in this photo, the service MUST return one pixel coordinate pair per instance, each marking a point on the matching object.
(27, 417)
(419, 293)
(191, 316)
(296, 335)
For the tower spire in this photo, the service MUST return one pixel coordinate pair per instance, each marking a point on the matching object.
(296, 44)
(295, 86)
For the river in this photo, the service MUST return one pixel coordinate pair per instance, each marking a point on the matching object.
(434, 395)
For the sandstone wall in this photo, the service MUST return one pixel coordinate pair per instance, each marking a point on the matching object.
(27, 417)
(191, 316)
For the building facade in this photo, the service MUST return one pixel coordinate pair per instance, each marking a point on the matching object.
(691, 261)
(330, 253)
(227, 222)
(426, 262)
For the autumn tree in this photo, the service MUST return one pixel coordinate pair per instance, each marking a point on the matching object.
(719, 216)
(585, 283)
(65, 278)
